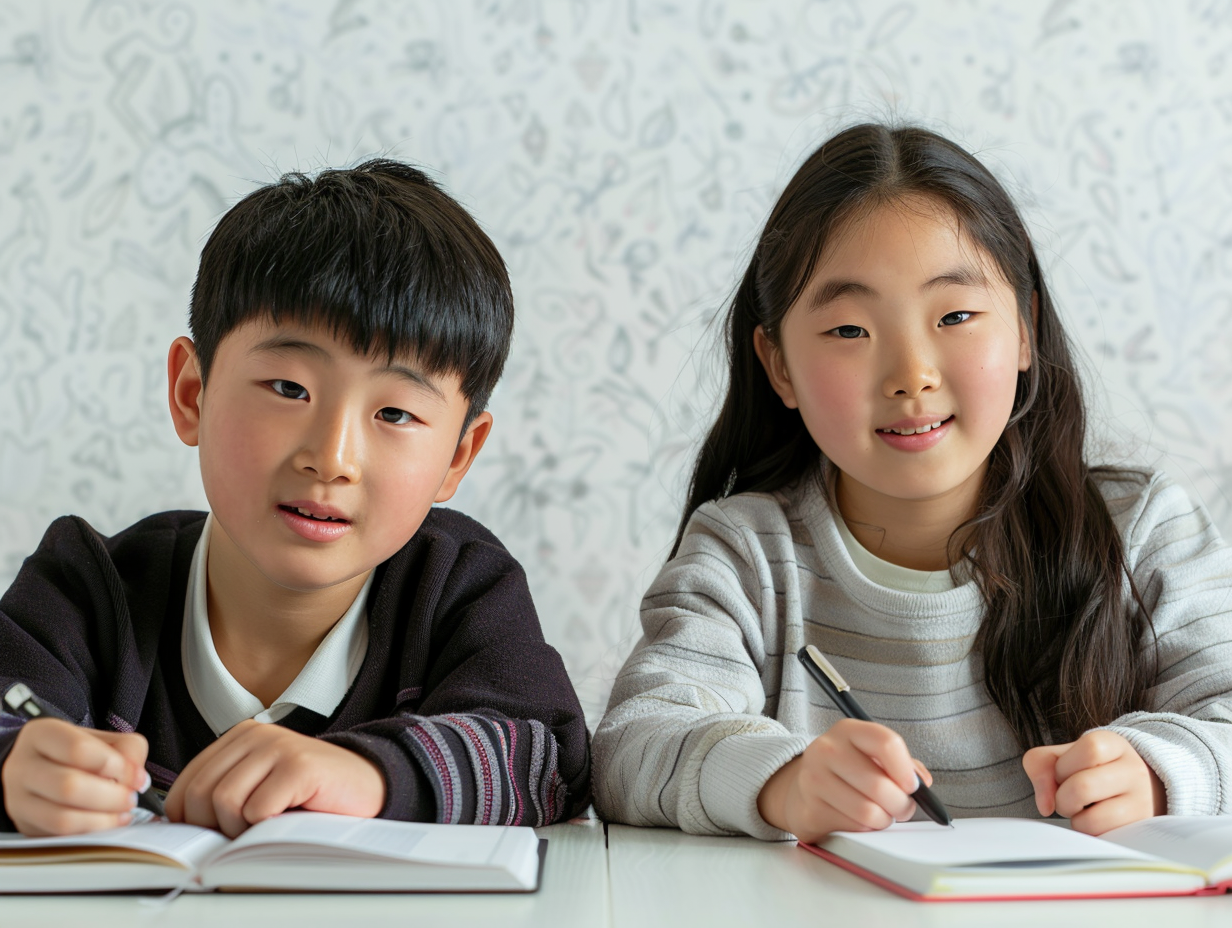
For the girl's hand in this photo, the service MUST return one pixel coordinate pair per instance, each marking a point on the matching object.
(61, 779)
(257, 770)
(1098, 782)
(855, 777)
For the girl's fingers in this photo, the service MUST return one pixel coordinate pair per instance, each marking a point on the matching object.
(1094, 749)
(868, 779)
(864, 813)
(1109, 814)
(883, 746)
(1040, 765)
(922, 772)
(42, 817)
(1094, 785)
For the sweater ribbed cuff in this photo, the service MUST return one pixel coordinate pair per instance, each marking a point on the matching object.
(8, 738)
(1172, 747)
(733, 774)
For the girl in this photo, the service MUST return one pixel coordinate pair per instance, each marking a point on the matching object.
(1043, 635)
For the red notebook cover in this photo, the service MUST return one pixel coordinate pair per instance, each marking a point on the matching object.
(1215, 890)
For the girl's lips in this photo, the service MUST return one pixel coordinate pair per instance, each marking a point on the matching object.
(918, 442)
(312, 529)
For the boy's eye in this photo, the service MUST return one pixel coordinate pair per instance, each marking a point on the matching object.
(289, 388)
(848, 331)
(394, 416)
(955, 318)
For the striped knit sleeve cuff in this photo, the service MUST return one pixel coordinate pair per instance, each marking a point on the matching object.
(1174, 747)
(733, 774)
(9, 727)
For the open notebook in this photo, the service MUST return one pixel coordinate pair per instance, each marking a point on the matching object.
(296, 851)
(1005, 858)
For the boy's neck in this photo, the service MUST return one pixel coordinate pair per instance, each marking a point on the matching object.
(265, 633)
(912, 533)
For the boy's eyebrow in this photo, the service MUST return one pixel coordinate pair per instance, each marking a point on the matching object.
(961, 276)
(290, 343)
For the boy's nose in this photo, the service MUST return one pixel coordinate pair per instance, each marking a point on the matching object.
(333, 451)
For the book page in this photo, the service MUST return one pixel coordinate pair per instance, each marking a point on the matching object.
(341, 835)
(182, 845)
(988, 842)
(1202, 841)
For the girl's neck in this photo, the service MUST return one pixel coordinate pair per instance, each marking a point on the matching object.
(913, 533)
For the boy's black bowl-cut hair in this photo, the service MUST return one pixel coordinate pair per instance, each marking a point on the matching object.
(377, 253)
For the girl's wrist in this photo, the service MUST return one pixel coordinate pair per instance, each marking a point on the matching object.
(772, 800)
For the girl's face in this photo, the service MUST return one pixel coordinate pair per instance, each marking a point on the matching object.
(902, 355)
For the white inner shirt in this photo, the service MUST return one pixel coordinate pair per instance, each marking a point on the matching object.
(219, 697)
(890, 575)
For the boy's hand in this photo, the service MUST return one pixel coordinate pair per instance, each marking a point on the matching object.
(61, 779)
(257, 770)
(1098, 782)
(858, 776)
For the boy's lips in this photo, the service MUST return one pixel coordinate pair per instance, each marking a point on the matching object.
(312, 520)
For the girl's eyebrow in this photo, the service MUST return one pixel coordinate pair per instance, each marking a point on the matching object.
(961, 276)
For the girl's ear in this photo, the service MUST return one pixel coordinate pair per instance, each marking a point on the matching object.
(771, 357)
(1024, 337)
(184, 386)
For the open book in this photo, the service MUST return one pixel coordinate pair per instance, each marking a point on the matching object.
(301, 851)
(1007, 858)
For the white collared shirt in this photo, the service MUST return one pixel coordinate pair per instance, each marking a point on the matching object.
(223, 702)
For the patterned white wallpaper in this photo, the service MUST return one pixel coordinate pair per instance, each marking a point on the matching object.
(622, 153)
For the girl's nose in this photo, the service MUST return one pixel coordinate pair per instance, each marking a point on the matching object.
(911, 372)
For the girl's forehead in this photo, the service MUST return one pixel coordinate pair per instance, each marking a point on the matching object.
(915, 228)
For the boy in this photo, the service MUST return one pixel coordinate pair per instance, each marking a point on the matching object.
(347, 332)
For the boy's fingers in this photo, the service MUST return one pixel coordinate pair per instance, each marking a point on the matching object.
(1040, 764)
(41, 817)
(70, 746)
(135, 749)
(76, 789)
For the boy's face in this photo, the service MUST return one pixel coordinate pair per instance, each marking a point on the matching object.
(319, 463)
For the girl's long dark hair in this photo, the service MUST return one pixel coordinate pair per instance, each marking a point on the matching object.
(1064, 624)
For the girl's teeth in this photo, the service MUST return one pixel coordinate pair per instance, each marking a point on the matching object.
(919, 431)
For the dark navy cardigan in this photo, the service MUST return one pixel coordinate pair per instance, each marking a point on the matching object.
(460, 702)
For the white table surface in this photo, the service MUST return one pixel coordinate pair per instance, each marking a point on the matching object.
(574, 892)
(661, 877)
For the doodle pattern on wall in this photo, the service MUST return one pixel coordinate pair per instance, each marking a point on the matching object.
(622, 155)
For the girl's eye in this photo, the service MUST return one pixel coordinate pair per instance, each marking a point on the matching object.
(394, 416)
(289, 388)
(955, 318)
(848, 331)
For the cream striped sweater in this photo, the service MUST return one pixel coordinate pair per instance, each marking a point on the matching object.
(707, 706)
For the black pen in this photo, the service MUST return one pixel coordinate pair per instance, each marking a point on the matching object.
(837, 689)
(19, 700)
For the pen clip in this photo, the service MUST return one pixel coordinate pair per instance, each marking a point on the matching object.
(827, 668)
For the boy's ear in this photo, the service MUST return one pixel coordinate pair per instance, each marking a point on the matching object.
(184, 386)
(771, 358)
(464, 455)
